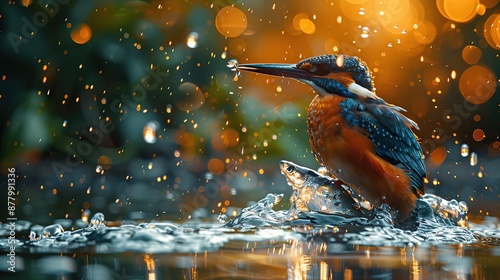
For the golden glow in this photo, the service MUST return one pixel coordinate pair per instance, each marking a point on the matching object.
(104, 162)
(231, 22)
(26, 3)
(151, 266)
(81, 34)
(477, 84)
(459, 11)
(471, 54)
(216, 166)
(492, 31)
(438, 156)
(478, 135)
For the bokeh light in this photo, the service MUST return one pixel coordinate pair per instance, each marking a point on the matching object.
(478, 135)
(216, 166)
(231, 22)
(477, 84)
(438, 156)
(492, 31)
(81, 34)
(471, 54)
(189, 97)
(459, 11)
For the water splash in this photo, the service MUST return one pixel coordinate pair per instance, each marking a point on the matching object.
(97, 221)
(233, 65)
(319, 201)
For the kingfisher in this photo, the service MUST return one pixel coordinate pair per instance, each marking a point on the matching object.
(361, 139)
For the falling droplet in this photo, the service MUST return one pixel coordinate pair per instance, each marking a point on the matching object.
(192, 40)
(365, 32)
(389, 45)
(52, 230)
(464, 150)
(98, 169)
(149, 132)
(403, 31)
(234, 191)
(65, 123)
(435, 182)
(222, 218)
(361, 11)
(97, 220)
(209, 176)
(473, 159)
(233, 65)
(480, 174)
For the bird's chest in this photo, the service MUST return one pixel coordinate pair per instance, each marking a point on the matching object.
(336, 144)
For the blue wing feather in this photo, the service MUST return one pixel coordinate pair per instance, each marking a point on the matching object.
(391, 133)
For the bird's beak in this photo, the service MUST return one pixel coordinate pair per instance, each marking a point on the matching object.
(280, 70)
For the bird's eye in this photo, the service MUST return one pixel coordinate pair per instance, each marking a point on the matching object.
(290, 169)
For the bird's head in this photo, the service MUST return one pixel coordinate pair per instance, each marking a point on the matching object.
(342, 75)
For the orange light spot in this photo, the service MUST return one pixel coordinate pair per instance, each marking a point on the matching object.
(81, 34)
(492, 31)
(459, 11)
(230, 137)
(231, 21)
(438, 156)
(104, 161)
(478, 135)
(477, 84)
(471, 54)
(307, 26)
(216, 166)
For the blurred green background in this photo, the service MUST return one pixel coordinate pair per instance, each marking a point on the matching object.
(128, 108)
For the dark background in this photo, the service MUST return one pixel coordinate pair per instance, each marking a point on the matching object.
(128, 108)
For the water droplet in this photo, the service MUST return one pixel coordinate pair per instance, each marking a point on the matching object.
(52, 230)
(480, 174)
(339, 171)
(403, 31)
(222, 218)
(389, 45)
(233, 65)
(192, 40)
(98, 169)
(365, 32)
(361, 11)
(209, 176)
(33, 236)
(473, 159)
(234, 191)
(97, 220)
(65, 123)
(149, 132)
(464, 150)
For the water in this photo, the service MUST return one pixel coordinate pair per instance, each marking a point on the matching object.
(348, 239)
